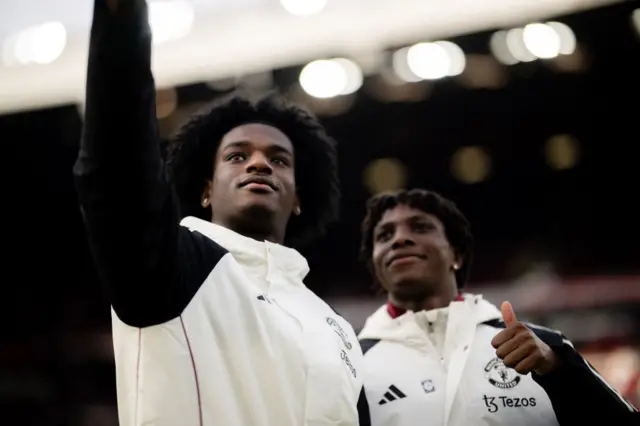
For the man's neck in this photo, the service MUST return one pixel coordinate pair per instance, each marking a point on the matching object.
(258, 236)
(253, 229)
(426, 303)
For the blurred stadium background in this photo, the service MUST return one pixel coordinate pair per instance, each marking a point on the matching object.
(524, 112)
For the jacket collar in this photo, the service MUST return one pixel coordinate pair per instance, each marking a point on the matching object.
(249, 251)
(395, 311)
(380, 325)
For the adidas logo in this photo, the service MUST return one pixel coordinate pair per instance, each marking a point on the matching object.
(392, 394)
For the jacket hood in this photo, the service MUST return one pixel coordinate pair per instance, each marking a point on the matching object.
(381, 326)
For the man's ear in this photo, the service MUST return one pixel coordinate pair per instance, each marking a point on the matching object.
(458, 261)
(296, 206)
(205, 198)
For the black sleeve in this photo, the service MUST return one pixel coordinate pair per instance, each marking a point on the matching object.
(578, 394)
(364, 416)
(363, 405)
(130, 213)
(367, 344)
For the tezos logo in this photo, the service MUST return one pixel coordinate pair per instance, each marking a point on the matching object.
(495, 403)
(501, 376)
(340, 332)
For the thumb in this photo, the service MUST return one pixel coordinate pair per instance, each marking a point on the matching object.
(508, 315)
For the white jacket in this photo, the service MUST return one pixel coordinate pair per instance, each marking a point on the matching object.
(253, 346)
(410, 383)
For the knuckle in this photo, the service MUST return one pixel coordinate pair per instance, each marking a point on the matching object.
(523, 336)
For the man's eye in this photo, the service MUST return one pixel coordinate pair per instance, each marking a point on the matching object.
(422, 227)
(383, 235)
(280, 161)
(235, 157)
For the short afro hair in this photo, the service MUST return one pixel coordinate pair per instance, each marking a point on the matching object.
(456, 226)
(191, 154)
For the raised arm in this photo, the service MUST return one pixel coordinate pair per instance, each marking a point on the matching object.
(128, 207)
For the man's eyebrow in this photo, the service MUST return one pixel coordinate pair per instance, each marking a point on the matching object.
(274, 148)
(237, 144)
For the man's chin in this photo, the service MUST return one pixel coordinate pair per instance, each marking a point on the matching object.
(409, 285)
(258, 206)
(253, 219)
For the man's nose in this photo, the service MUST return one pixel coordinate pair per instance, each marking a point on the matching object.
(259, 163)
(403, 238)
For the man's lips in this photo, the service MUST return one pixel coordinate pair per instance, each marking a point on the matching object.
(405, 258)
(259, 187)
(259, 183)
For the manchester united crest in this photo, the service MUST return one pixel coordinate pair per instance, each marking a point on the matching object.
(501, 376)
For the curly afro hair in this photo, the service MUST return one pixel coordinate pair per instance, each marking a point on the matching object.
(192, 150)
(456, 226)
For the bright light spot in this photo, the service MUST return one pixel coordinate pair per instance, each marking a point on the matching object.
(470, 164)
(516, 46)
(562, 152)
(567, 37)
(541, 40)
(401, 66)
(323, 79)
(534, 41)
(170, 20)
(327, 78)
(456, 55)
(429, 61)
(303, 7)
(354, 75)
(47, 42)
(40, 44)
(500, 49)
(385, 174)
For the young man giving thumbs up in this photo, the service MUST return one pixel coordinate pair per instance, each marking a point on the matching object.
(436, 356)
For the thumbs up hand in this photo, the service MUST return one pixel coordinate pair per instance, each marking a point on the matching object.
(519, 348)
